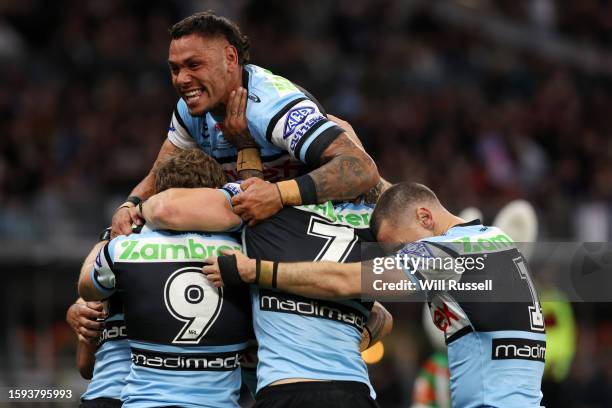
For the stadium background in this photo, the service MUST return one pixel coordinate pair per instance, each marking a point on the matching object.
(485, 101)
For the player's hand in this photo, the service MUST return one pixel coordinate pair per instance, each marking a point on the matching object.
(259, 200)
(123, 219)
(83, 317)
(246, 268)
(235, 128)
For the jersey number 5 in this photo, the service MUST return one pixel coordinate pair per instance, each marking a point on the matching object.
(192, 300)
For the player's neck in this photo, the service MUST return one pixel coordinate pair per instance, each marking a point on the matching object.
(446, 222)
(234, 83)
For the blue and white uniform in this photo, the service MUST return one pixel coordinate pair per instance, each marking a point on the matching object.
(303, 337)
(285, 121)
(186, 336)
(495, 334)
(113, 357)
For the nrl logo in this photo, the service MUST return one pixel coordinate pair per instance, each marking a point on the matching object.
(296, 117)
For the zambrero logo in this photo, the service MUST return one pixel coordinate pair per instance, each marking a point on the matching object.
(479, 243)
(170, 250)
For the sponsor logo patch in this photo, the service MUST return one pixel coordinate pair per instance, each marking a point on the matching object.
(296, 117)
(518, 349)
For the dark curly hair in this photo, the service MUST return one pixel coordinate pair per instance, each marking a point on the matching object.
(208, 24)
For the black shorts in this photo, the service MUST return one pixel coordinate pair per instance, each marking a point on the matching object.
(329, 394)
(101, 403)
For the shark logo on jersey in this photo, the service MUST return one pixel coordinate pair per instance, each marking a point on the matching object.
(416, 250)
(296, 117)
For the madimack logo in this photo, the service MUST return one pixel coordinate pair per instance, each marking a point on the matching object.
(518, 349)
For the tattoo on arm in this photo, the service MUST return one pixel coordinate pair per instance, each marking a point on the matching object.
(372, 196)
(347, 173)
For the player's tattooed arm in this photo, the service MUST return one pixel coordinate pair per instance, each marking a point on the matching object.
(379, 325)
(375, 192)
(347, 171)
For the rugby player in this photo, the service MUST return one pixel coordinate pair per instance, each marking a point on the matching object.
(496, 350)
(103, 355)
(287, 354)
(186, 337)
(209, 65)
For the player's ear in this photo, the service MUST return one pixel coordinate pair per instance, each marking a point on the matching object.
(425, 218)
(231, 58)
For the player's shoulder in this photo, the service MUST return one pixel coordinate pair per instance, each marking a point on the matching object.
(265, 86)
(472, 237)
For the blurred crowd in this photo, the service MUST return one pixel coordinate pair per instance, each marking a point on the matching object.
(86, 98)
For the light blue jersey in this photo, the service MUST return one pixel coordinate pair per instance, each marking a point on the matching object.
(496, 345)
(288, 125)
(303, 337)
(113, 361)
(186, 336)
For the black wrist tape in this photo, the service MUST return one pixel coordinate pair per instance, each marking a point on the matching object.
(308, 190)
(229, 270)
(134, 200)
(257, 270)
(274, 274)
(105, 235)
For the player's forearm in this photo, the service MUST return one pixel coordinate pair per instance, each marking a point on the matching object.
(88, 263)
(375, 192)
(86, 359)
(146, 187)
(321, 279)
(347, 173)
(380, 323)
(246, 174)
(180, 209)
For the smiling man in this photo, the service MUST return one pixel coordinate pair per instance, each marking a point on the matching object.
(209, 64)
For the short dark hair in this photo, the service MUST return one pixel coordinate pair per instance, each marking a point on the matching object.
(208, 24)
(398, 198)
(189, 168)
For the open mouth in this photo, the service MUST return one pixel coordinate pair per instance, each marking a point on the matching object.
(193, 96)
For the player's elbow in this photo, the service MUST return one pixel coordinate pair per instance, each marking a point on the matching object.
(162, 214)
(86, 370)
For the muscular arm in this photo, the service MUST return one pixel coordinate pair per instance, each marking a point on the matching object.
(86, 358)
(347, 171)
(83, 317)
(122, 219)
(194, 209)
(146, 187)
(87, 289)
(379, 324)
(311, 279)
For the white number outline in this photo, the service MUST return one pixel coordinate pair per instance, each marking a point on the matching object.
(536, 317)
(178, 339)
(337, 246)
